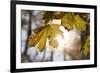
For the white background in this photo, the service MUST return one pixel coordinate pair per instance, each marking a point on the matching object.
(5, 36)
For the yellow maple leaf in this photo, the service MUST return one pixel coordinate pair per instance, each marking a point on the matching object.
(70, 20)
(40, 36)
(67, 21)
(86, 46)
(80, 24)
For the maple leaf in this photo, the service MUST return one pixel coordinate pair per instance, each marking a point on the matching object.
(86, 46)
(70, 20)
(67, 21)
(42, 33)
(80, 24)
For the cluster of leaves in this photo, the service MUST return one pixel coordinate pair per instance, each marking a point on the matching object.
(68, 20)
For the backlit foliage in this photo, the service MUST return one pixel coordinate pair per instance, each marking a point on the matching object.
(69, 20)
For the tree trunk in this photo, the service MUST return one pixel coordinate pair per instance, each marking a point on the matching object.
(29, 32)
